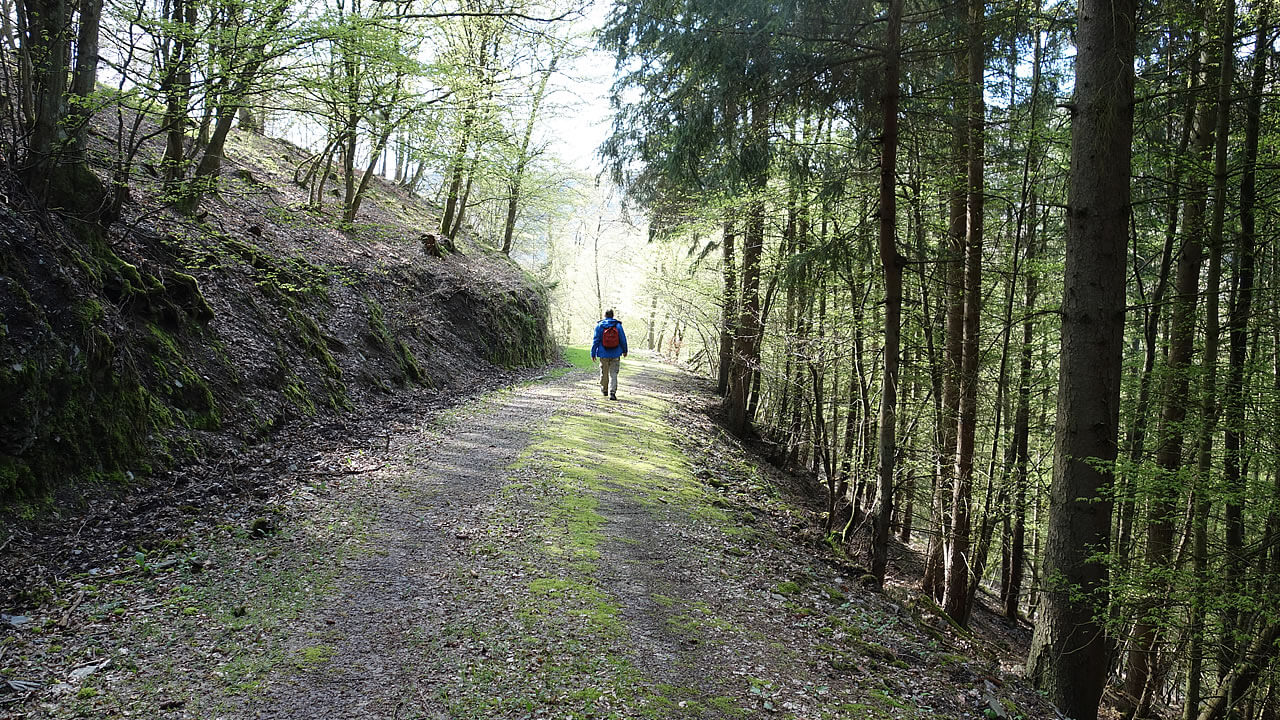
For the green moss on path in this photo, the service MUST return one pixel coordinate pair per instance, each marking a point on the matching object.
(579, 356)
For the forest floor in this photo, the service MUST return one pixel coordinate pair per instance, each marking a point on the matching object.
(540, 552)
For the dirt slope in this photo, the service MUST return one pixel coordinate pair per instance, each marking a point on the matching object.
(164, 337)
(541, 553)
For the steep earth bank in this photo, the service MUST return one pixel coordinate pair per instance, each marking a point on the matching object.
(166, 337)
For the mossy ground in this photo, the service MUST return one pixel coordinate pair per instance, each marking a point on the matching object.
(127, 348)
(578, 356)
(227, 604)
(606, 485)
(543, 552)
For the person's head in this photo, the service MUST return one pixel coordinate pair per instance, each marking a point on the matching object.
(608, 313)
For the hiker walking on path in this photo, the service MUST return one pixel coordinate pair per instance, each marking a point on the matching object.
(609, 346)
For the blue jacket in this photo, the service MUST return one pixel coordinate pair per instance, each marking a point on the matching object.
(600, 351)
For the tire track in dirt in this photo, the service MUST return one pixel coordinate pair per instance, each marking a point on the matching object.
(648, 568)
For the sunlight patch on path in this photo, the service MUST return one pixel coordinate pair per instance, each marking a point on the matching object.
(597, 461)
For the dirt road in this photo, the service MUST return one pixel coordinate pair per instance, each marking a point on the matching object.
(542, 553)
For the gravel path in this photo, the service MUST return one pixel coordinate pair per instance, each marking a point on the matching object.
(402, 628)
(555, 554)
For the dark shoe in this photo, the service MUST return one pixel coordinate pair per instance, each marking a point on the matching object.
(604, 392)
(613, 396)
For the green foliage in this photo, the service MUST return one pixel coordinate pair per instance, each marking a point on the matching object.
(787, 588)
(312, 657)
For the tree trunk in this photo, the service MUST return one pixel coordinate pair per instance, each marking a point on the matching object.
(1068, 658)
(176, 87)
(353, 206)
(891, 264)
(839, 499)
(84, 78)
(206, 127)
(595, 262)
(934, 581)
(956, 599)
(1136, 442)
(935, 566)
(926, 355)
(1021, 428)
(907, 493)
(1273, 517)
(746, 347)
(522, 158)
(250, 122)
(817, 375)
(798, 336)
(466, 197)
(1233, 480)
(1242, 676)
(932, 584)
(48, 44)
(653, 319)
(457, 168)
(1014, 555)
(350, 139)
(211, 161)
(229, 103)
(729, 308)
(402, 160)
(753, 402)
(1209, 377)
(418, 173)
(8, 41)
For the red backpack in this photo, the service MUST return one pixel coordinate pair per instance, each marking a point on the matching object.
(609, 338)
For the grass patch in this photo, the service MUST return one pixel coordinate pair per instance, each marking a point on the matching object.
(787, 587)
(630, 448)
(557, 599)
(312, 657)
(578, 356)
(575, 525)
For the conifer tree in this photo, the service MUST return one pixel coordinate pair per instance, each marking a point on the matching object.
(1068, 656)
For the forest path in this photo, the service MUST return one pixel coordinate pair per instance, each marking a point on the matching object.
(553, 553)
(541, 553)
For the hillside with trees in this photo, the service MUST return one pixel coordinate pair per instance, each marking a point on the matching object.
(996, 276)
(170, 272)
(990, 283)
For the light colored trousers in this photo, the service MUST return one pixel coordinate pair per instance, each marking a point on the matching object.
(609, 374)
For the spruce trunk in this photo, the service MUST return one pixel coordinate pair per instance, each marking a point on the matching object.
(1068, 658)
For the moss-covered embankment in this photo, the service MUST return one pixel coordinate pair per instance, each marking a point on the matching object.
(126, 349)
